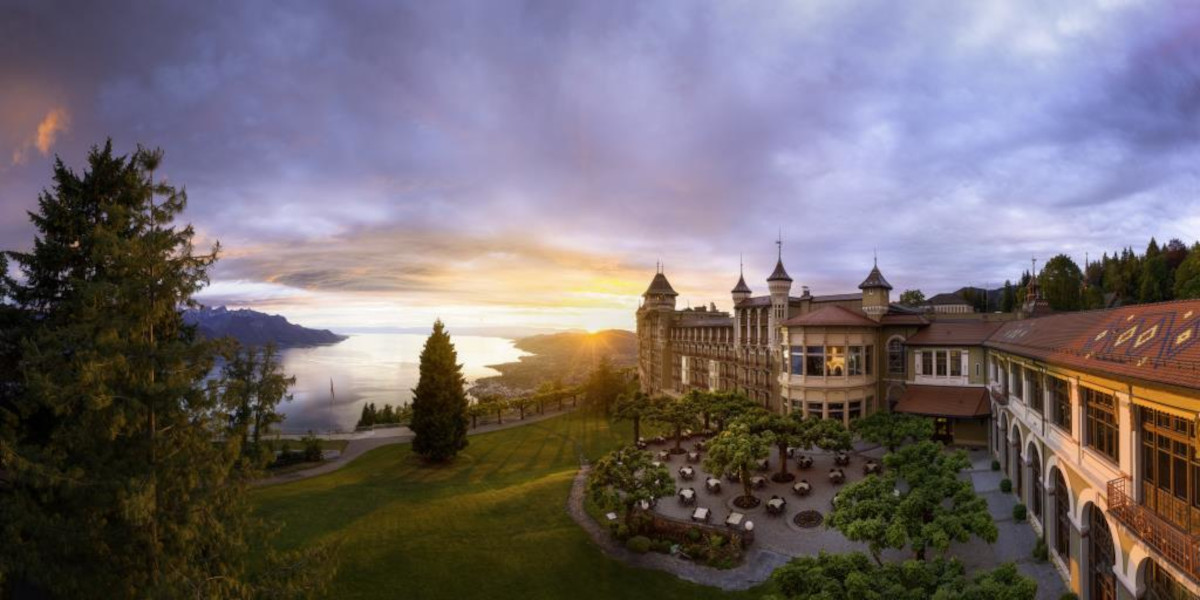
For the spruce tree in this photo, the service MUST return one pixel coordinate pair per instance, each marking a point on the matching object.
(121, 480)
(439, 405)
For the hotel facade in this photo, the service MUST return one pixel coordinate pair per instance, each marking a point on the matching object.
(1092, 415)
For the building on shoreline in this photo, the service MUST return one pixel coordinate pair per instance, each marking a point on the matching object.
(1092, 415)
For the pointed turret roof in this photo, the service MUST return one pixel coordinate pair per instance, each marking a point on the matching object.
(660, 286)
(780, 274)
(741, 286)
(874, 280)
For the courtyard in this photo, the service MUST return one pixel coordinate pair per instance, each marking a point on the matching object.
(777, 537)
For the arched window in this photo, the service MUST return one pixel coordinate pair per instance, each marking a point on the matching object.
(1062, 518)
(896, 356)
(1161, 585)
(1036, 490)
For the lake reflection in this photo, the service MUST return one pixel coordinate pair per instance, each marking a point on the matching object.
(378, 367)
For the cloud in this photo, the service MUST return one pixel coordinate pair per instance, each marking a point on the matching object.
(529, 156)
(55, 122)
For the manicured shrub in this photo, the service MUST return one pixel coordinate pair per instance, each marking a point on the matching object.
(662, 546)
(995, 465)
(694, 535)
(1006, 485)
(622, 532)
(1020, 512)
(312, 448)
(1040, 552)
(639, 543)
(716, 541)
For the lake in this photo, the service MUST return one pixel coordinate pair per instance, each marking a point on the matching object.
(376, 367)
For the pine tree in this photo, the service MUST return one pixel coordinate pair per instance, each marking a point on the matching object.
(439, 417)
(1009, 300)
(1187, 276)
(120, 486)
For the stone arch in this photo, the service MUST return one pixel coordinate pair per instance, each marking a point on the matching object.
(1060, 513)
(1018, 465)
(1004, 451)
(1100, 552)
(1037, 490)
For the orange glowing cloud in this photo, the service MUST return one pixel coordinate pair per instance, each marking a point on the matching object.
(55, 122)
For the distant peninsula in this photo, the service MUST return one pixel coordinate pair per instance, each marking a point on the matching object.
(253, 328)
(567, 356)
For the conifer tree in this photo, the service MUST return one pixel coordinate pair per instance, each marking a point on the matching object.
(121, 482)
(439, 417)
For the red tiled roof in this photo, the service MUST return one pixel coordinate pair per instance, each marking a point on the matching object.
(953, 333)
(1158, 342)
(902, 319)
(944, 401)
(831, 316)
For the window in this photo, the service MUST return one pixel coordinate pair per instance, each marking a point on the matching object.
(814, 364)
(854, 361)
(1018, 388)
(978, 369)
(1036, 394)
(835, 411)
(1169, 467)
(816, 409)
(1060, 402)
(1100, 411)
(855, 409)
(1062, 518)
(927, 363)
(895, 357)
(956, 363)
(940, 359)
(869, 360)
(797, 355)
(835, 361)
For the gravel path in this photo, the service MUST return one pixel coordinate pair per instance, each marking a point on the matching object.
(367, 441)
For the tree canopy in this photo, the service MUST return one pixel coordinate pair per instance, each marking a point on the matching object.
(634, 407)
(626, 476)
(854, 577)
(439, 420)
(912, 298)
(1062, 283)
(738, 450)
(675, 413)
(891, 430)
(919, 503)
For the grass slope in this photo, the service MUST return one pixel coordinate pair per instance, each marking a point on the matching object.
(490, 525)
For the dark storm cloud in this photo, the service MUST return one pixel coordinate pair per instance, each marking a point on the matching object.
(326, 144)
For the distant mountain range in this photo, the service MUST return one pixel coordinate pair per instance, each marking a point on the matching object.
(514, 332)
(567, 356)
(253, 328)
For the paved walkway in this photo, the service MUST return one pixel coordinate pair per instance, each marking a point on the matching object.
(365, 441)
(777, 538)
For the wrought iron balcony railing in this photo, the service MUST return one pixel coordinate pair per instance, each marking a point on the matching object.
(1174, 544)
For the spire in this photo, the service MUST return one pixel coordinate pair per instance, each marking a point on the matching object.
(875, 279)
(779, 274)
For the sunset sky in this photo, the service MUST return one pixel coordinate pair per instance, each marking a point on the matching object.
(367, 164)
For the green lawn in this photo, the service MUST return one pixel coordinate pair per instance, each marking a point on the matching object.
(490, 525)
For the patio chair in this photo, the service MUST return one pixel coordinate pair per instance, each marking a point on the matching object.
(802, 487)
(871, 467)
(841, 459)
(804, 461)
(733, 477)
(687, 496)
(837, 476)
(765, 465)
(664, 456)
(776, 505)
(713, 485)
(693, 456)
(758, 482)
(686, 472)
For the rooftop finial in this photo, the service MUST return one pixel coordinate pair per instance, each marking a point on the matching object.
(741, 266)
(779, 243)
(1033, 261)
(875, 257)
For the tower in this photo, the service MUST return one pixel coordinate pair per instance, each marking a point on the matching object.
(876, 293)
(740, 292)
(653, 332)
(780, 285)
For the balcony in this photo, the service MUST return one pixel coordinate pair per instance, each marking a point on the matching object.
(1181, 549)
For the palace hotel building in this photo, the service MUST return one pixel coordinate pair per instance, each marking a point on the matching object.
(1092, 415)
